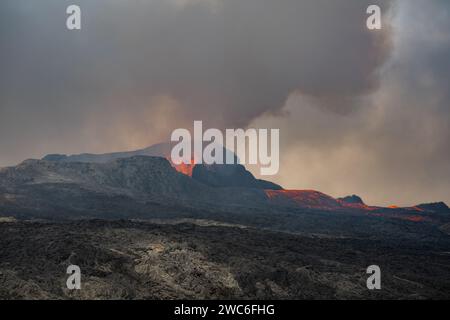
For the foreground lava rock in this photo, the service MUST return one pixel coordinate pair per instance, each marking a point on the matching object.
(208, 260)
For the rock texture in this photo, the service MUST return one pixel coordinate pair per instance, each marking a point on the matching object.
(140, 229)
(354, 199)
(187, 260)
(220, 176)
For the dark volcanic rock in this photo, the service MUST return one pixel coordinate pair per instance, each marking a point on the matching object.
(230, 176)
(122, 187)
(354, 199)
(136, 176)
(149, 187)
(440, 207)
(55, 157)
(213, 176)
(207, 260)
(157, 150)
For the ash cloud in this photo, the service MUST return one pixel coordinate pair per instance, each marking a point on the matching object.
(361, 111)
(137, 70)
(395, 148)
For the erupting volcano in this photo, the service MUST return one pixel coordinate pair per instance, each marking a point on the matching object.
(183, 167)
(236, 178)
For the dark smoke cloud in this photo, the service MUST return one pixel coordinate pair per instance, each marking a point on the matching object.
(395, 148)
(368, 112)
(137, 69)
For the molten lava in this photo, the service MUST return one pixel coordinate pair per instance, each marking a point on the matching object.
(311, 199)
(314, 200)
(185, 168)
(303, 198)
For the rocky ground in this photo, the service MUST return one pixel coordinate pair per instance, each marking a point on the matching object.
(202, 259)
(139, 229)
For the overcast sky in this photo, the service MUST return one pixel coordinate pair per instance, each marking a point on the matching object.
(365, 112)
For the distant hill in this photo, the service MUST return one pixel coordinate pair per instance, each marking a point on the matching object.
(354, 199)
(434, 207)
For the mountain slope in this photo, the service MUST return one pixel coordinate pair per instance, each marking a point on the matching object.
(137, 176)
(157, 150)
(230, 176)
(218, 175)
(142, 186)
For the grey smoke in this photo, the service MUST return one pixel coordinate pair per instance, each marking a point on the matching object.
(137, 69)
(395, 148)
(360, 111)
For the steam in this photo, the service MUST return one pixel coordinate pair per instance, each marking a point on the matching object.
(224, 62)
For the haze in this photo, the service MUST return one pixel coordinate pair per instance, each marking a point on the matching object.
(359, 111)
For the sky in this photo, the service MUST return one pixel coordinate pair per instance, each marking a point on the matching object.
(360, 111)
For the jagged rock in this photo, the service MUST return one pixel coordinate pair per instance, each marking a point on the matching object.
(180, 260)
(354, 199)
(434, 207)
(230, 176)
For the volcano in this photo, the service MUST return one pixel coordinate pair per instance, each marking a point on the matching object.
(217, 175)
(142, 182)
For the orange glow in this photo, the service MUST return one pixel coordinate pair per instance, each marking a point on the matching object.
(303, 198)
(185, 168)
(312, 199)
(415, 218)
(412, 218)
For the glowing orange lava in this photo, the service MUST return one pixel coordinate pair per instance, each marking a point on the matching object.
(185, 168)
(303, 198)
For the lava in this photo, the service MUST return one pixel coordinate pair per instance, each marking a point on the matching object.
(303, 198)
(185, 168)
